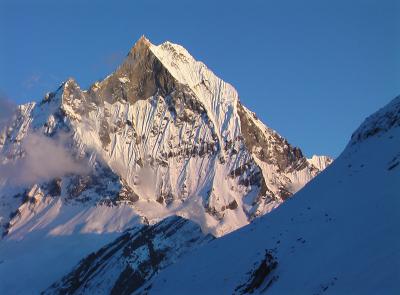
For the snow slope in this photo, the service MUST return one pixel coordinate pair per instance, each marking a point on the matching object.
(128, 263)
(340, 235)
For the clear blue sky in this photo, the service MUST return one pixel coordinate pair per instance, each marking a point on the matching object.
(312, 70)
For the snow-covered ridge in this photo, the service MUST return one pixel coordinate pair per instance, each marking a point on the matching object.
(320, 162)
(219, 97)
(381, 121)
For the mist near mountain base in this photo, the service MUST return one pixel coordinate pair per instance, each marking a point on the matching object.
(7, 110)
(44, 158)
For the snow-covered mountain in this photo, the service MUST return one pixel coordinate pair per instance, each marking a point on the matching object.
(339, 235)
(160, 136)
(175, 136)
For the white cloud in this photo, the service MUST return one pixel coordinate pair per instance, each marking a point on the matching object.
(32, 81)
(45, 159)
(7, 110)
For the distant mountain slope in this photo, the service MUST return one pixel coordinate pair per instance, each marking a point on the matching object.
(340, 235)
(126, 265)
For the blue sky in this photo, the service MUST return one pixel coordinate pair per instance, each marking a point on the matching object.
(312, 70)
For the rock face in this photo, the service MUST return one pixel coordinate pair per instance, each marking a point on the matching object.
(163, 135)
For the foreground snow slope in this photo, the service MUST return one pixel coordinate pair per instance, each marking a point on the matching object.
(340, 235)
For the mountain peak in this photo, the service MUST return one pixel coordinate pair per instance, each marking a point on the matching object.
(143, 38)
(141, 44)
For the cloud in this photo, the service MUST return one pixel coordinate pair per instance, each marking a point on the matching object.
(109, 61)
(114, 58)
(32, 81)
(44, 159)
(7, 110)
